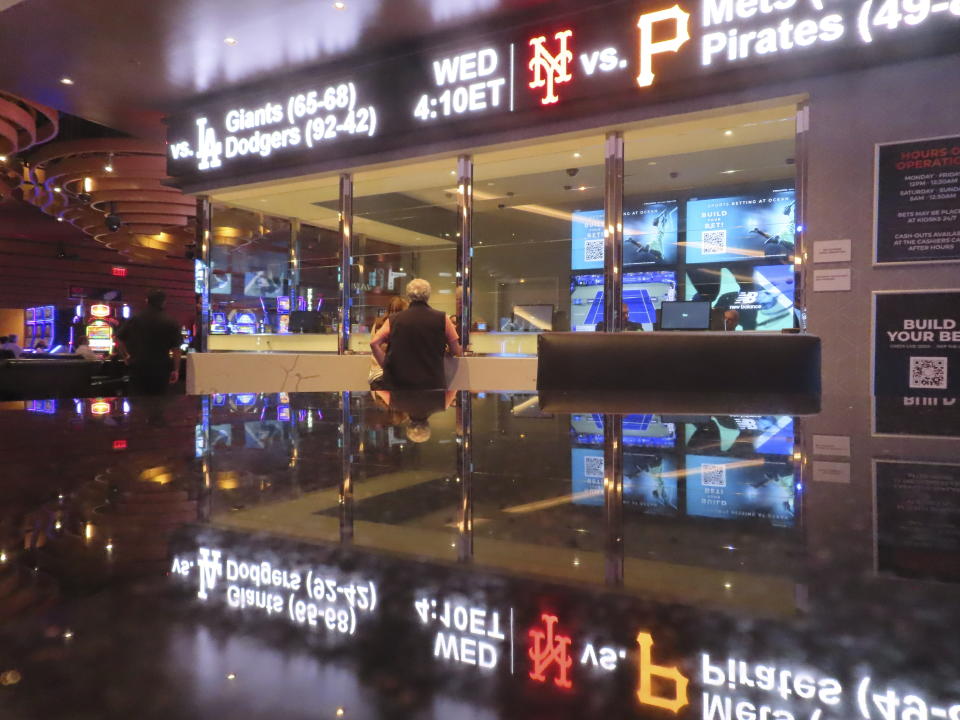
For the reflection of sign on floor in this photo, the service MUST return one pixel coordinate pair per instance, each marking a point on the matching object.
(918, 520)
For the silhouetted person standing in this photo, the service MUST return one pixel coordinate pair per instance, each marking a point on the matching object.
(410, 346)
(150, 344)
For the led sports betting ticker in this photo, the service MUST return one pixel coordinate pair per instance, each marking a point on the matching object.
(614, 56)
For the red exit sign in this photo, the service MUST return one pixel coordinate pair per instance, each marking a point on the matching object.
(119, 271)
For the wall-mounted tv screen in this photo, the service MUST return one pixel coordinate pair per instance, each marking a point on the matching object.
(741, 227)
(741, 435)
(650, 232)
(762, 295)
(533, 318)
(262, 283)
(586, 301)
(649, 481)
(220, 283)
(643, 294)
(638, 430)
(732, 488)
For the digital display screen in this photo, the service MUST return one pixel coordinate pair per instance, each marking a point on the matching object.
(245, 322)
(762, 295)
(586, 235)
(732, 488)
(533, 318)
(283, 304)
(643, 294)
(586, 301)
(741, 227)
(638, 430)
(685, 316)
(741, 435)
(650, 234)
(220, 283)
(262, 284)
(650, 482)
(263, 434)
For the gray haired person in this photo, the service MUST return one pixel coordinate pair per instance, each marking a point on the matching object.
(410, 346)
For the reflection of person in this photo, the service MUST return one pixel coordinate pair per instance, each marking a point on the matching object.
(410, 346)
(40, 346)
(146, 342)
(417, 406)
(396, 305)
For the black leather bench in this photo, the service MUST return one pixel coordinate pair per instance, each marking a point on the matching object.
(679, 372)
(37, 378)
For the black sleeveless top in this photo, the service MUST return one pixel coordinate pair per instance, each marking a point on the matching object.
(415, 349)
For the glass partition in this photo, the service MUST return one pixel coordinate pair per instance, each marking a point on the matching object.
(251, 278)
(537, 224)
(405, 226)
(710, 223)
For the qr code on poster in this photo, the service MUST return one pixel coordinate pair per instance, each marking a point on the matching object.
(593, 466)
(713, 242)
(928, 373)
(593, 250)
(713, 475)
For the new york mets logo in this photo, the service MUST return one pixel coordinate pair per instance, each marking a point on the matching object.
(548, 649)
(549, 69)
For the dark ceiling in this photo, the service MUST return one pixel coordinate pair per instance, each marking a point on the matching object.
(134, 61)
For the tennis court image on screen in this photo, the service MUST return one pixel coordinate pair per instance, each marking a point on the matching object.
(643, 293)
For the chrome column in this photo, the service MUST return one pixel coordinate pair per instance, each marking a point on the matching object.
(346, 260)
(613, 232)
(464, 246)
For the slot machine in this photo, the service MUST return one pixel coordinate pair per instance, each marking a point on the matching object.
(283, 314)
(245, 322)
(218, 324)
(100, 328)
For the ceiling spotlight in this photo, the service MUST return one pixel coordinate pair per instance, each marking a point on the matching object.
(113, 222)
(66, 81)
(576, 154)
(231, 41)
(652, 162)
(728, 133)
(339, 5)
(582, 188)
(59, 219)
(87, 184)
(109, 165)
(57, 189)
(3, 158)
(728, 172)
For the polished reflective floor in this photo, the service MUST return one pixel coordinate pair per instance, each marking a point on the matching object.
(457, 555)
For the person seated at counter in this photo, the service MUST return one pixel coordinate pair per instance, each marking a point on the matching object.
(396, 305)
(10, 344)
(84, 350)
(627, 325)
(410, 347)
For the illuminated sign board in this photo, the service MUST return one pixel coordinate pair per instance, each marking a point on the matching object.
(617, 56)
(100, 311)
